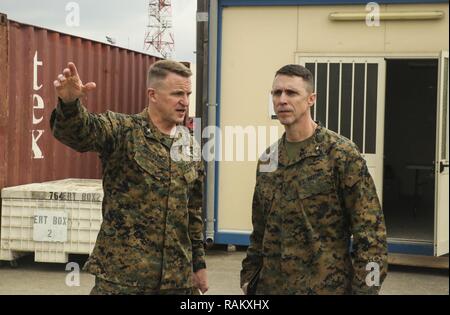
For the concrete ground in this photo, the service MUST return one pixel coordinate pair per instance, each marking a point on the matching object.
(223, 270)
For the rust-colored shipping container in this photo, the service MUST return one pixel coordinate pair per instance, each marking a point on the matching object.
(30, 59)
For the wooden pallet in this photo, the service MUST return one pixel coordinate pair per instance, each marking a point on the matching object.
(418, 261)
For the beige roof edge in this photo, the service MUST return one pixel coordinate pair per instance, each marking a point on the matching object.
(387, 16)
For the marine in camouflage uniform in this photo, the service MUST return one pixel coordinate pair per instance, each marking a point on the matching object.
(151, 238)
(304, 215)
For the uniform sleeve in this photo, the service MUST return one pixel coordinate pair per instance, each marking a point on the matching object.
(369, 255)
(196, 220)
(82, 131)
(253, 260)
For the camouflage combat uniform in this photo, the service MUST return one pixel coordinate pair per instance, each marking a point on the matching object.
(152, 231)
(103, 287)
(304, 215)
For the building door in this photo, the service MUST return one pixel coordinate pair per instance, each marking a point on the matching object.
(350, 101)
(410, 152)
(441, 239)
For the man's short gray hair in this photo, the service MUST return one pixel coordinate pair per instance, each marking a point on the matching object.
(159, 71)
(298, 71)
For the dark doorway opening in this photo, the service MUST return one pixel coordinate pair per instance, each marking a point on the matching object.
(410, 148)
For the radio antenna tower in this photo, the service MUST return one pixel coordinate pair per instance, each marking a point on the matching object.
(159, 34)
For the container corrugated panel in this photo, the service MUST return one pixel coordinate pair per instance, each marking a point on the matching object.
(79, 199)
(30, 60)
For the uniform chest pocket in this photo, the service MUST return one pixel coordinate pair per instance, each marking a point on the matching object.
(319, 201)
(149, 166)
(315, 186)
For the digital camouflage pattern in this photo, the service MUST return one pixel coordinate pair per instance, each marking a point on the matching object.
(304, 215)
(103, 287)
(152, 230)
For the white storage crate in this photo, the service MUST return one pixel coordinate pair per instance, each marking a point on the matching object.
(51, 219)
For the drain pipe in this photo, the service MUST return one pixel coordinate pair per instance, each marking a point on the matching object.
(212, 109)
(210, 190)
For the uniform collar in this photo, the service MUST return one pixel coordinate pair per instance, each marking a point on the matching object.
(315, 148)
(151, 131)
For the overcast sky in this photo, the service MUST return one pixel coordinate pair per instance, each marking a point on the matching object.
(123, 20)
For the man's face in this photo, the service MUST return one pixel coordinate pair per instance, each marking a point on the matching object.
(170, 98)
(292, 99)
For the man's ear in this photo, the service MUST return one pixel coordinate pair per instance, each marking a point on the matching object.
(312, 99)
(151, 93)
